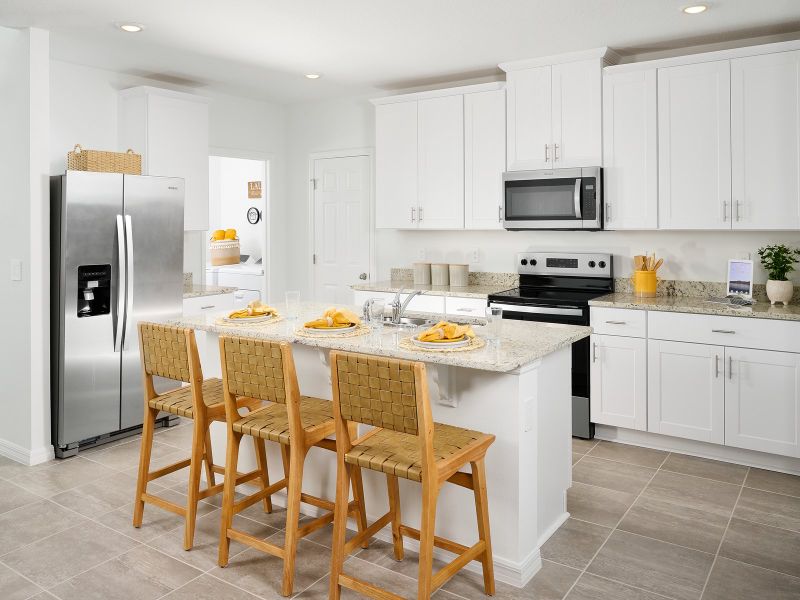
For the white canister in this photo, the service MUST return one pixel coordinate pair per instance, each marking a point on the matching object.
(459, 275)
(422, 273)
(440, 274)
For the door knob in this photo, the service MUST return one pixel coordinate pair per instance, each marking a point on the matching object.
(363, 276)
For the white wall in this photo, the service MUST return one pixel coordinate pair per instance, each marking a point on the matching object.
(24, 212)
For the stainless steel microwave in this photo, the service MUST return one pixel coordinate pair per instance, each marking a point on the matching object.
(553, 199)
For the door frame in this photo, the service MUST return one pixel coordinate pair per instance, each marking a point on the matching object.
(367, 151)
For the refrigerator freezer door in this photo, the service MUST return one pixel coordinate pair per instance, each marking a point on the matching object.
(153, 208)
(89, 369)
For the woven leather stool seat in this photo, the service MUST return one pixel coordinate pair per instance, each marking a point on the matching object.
(179, 402)
(398, 454)
(272, 422)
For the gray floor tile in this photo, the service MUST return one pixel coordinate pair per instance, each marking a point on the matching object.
(179, 437)
(126, 456)
(580, 446)
(390, 580)
(550, 583)
(772, 481)
(634, 455)
(141, 574)
(101, 496)
(597, 505)
(209, 587)
(767, 508)
(590, 587)
(52, 560)
(654, 566)
(704, 467)
(731, 580)
(14, 586)
(763, 546)
(380, 553)
(11, 468)
(612, 475)
(62, 476)
(699, 494)
(12, 496)
(575, 543)
(43, 596)
(576, 457)
(177, 477)
(33, 522)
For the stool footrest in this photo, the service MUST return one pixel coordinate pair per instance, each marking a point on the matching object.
(367, 533)
(260, 495)
(165, 504)
(439, 542)
(254, 542)
(318, 502)
(210, 491)
(317, 523)
(181, 464)
(367, 589)
(454, 566)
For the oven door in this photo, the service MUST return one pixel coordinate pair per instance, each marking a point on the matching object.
(556, 199)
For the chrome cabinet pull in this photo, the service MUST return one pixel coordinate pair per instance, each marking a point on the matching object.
(724, 211)
(207, 307)
(616, 322)
(716, 366)
(420, 214)
(555, 152)
(500, 214)
(730, 367)
(722, 331)
(547, 153)
(608, 212)
(737, 205)
(413, 214)
(594, 352)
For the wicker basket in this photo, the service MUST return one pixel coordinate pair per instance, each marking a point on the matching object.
(224, 252)
(104, 162)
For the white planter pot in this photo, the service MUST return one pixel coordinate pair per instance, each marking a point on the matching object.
(779, 291)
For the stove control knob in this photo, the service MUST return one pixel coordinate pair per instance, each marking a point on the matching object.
(602, 264)
(523, 262)
(591, 264)
(533, 262)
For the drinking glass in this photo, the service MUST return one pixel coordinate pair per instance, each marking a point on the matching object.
(494, 323)
(292, 305)
(375, 308)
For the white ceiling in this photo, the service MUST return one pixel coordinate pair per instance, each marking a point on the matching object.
(262, 48)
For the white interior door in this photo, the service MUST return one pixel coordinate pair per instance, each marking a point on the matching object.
(341, 227)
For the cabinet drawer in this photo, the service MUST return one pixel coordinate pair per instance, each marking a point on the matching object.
(739, 332)
(465, 307)
(207, 304)
(619, 321)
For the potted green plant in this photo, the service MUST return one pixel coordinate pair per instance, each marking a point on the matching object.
(779, 261)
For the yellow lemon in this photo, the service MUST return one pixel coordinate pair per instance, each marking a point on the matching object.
(230, 234)
(219, 234)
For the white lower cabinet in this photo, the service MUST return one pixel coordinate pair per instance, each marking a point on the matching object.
(762, 400)
(208, 304)
(619, 381)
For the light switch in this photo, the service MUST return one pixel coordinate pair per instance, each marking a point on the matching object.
(16, 269)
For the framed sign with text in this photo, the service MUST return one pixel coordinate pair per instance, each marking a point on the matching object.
(254, 189)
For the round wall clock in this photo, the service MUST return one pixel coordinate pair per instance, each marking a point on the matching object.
(253, 215)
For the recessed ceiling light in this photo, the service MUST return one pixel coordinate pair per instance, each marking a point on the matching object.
(313, 75)
(695, 9)
(130, 27)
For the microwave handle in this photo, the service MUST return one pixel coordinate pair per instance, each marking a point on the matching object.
(576, 197)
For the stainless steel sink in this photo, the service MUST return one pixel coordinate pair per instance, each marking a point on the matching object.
(407, 322)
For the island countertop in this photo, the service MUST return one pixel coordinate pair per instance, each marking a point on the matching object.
(521, 342)
(467, 291)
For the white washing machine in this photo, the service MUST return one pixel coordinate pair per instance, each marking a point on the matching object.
(249, 279)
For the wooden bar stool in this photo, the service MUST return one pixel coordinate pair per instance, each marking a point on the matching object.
(171, 352)
(265, 370)
(392, 396)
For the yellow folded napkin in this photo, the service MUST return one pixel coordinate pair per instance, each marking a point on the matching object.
(256, 308)
(334, 318)
(445, 331)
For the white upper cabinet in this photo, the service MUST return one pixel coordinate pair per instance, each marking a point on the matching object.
(577, 114)
(630, 150)
(694, 146)
(484, 158)
(765, 121)
(170, 130)
(530, 122)
(440, 142)
(396, 165)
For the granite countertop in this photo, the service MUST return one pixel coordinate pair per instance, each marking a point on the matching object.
(699, 305)
(469, 291)
(198, 290)
(520, 345)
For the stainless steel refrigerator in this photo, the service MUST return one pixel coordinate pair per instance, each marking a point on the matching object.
(116, 259)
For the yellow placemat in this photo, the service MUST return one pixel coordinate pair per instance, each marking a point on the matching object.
(474, 343)
(360, 329)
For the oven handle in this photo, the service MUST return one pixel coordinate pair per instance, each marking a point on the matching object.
(576, 198)
(539, 310)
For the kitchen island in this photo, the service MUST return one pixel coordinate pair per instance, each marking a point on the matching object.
(519, 390)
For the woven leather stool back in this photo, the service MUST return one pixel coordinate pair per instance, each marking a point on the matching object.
(165, 351)
(255, 369)
(377, 391)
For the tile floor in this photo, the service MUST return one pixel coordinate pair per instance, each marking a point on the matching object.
(645, 525)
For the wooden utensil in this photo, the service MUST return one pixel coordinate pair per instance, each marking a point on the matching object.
(659, 262)
(638, 262)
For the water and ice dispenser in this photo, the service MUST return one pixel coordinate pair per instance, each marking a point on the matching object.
(94, 290)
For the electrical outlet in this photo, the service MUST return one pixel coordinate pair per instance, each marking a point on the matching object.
(474, 256)
(16, 269)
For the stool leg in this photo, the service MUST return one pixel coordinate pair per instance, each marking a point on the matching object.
(296, 460)
(358, 496)
(430, 494)
(482, 508)
(198, 442)
(261, 460)
(209, 458)
(144, 464)
(228, 492)
(339, 528)
(394, 509)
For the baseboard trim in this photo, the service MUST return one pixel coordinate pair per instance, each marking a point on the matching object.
(657, 441)
(24, 456)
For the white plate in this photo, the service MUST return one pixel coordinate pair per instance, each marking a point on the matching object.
(314, 331)
(441, 345)
(261, 319)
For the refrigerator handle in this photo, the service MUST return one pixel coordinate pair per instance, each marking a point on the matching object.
(121, 285)
(129, 284)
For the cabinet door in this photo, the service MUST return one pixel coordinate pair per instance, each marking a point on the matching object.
(694, 146)
(577, 114)
(177, 146)
(484, 158)
(396, 165)
(529, 122)
(630, 150)
(762, 400)
(441, 162)
(765, 131)
(619, 381)
(686, 390)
